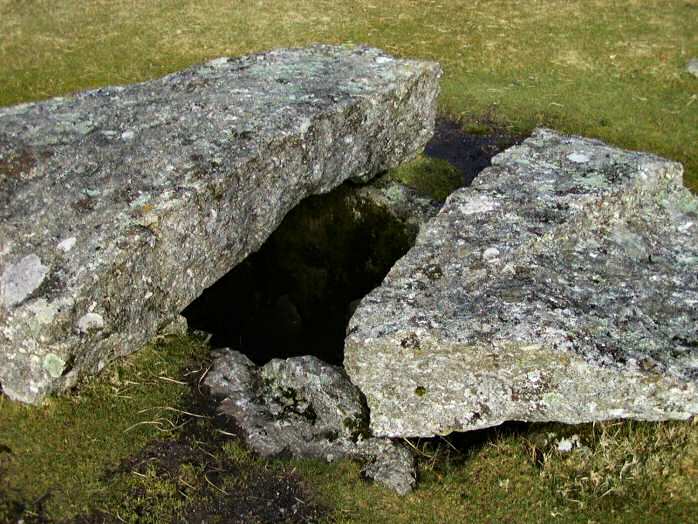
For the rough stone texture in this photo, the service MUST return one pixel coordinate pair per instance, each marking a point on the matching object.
(563, 285)
(303, 407)
(120, 205)
(401, 201)
(178, 327)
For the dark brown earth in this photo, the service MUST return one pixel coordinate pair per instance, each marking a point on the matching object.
(469, 152)
(224, 488)
(188, 477)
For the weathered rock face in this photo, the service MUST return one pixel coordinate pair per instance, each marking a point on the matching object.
(563, 285)
(120, 205)
(303, 407)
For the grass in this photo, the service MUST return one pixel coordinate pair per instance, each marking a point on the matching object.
(431, 177)
(56, 454)
(611, 69)
(134, 445)
(625, 473)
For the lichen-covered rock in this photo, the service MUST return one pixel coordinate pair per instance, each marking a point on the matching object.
(303, 407)
(562, 286)
(120, 205)
(400, 201)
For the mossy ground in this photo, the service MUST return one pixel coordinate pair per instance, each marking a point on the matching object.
(607, 69)
(139, 444)
(432, 177)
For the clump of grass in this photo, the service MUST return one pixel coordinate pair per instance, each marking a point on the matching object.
(430, 177)
(629, 471)
(152, 497)
(621, 460)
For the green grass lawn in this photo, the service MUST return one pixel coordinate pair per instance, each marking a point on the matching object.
(607, 69)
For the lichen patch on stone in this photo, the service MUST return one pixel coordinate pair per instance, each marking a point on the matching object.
(90, 322)
(54, 365)
(67, 244)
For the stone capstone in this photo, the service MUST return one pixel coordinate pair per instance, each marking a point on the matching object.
(119, 206)
(303, 407)
(561, 286)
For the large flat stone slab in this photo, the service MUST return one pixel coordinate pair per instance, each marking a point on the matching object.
(119, 206)
(561, 286)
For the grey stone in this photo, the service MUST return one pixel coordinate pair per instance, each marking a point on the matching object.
(692, 67)
(178, 327)
(121, 205)
(19, 280)
(561, 286)
(401, 201)
(390, 464)
(303, 407)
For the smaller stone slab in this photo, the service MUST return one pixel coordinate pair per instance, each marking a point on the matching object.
(305, 408)
(119, 206)
(561, 286)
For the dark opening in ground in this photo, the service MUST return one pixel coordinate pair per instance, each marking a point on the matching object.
(296, 295)
(469, 152)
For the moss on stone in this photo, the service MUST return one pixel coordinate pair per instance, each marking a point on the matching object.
(431, 177)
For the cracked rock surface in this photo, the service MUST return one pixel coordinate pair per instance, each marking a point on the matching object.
(119, 206)
(303, 407)
(561, 286)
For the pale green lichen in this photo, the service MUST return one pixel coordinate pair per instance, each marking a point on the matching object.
(54, 365)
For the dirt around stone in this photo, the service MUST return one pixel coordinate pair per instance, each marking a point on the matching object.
(199, 472)
(207, 475)
(212, 486)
